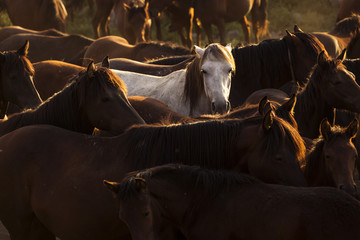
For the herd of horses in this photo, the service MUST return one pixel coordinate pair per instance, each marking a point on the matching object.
(249, 142)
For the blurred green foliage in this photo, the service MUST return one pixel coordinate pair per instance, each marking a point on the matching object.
(309, 15)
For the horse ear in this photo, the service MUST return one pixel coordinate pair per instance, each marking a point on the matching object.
(325, 128)
(228, 47)
(290, 104)
(268, 120)
(342, 55)
(262, 104)
(352, 129)
(291, 35)
(322, 58)
(199, 51)
(91, 69)
(126, 7)
(114, 187)
(297, 29)
(140, 184)
(105, 62)
(23, 51)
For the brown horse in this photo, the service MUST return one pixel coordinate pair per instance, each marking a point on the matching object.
(203, 204)
(353, 50)
(133, 21)
(219, 12)
(139, 52)
(332, 160)
(273, 63)
(70, 48)
(339, 38)
(8, 31)
(330, 86)
(95, 98)
(101, 18)
(77, 5)
(16, 83)
(36, 14)
(266, 146)
(347, 8)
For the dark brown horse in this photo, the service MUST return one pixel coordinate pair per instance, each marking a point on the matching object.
(8, 31)
(353, 50)
(347, 8)
(95, 98)
(203, 204)
(70, 48)
(339, 38)
(77, 5)
(133, 21)
(330, 86)
(16, 80)
(36, 14)
(266, 147)
(273, 63)
(139, 52)
(219, 12)
(332, 160)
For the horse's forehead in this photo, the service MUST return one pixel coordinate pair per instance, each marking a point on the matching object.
(216, 61)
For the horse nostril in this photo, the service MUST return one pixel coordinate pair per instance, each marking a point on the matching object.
(213, 107)
(341, 187)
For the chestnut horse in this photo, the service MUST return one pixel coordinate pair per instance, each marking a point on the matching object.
(69, 48)
(73, 165)
(339, 38)
(116, 48)
(36, 14)
(95, 98)
(203, 204)
(8, 31)
(16, 80)
(219, 12)
(331, 162)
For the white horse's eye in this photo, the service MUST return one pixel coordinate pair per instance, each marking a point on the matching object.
(203, 71)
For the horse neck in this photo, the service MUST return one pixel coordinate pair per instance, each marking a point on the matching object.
(316, 171)
(194, 90)
(61, 110)
(311, 109)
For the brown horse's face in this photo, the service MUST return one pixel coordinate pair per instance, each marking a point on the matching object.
(108, 108)
(17, 80)
(273, 153)
(340, 88)
(340, 155)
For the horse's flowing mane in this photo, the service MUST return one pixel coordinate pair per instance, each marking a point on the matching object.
(193, 143)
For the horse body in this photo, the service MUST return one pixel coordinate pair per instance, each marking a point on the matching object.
(8, 31)
(204, 204)
(37, 15)
(79, 163)
(66, 48)
(208, 76)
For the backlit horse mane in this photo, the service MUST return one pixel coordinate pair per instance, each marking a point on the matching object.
(185, 143)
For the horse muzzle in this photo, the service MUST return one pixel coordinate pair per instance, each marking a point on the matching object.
(220, 108)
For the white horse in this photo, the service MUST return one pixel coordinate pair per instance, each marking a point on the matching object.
(202, 88)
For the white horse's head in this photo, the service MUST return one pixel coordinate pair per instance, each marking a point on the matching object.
(217, 66)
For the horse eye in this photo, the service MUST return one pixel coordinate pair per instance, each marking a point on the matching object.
(203, 71)
(327, 156)
(278, 159)
(105, 99)
(146, 214)
(230, 70)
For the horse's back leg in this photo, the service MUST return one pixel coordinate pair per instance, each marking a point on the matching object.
(158, 26)
(246, 28)
(221, 26)
(208, 31)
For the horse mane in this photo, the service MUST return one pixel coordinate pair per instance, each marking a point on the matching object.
(63, 107)
(347, 26)
(188, 143)
(169, 47)
(313, 160)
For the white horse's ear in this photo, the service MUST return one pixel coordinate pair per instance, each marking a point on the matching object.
(199, 50)
(228, 47)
